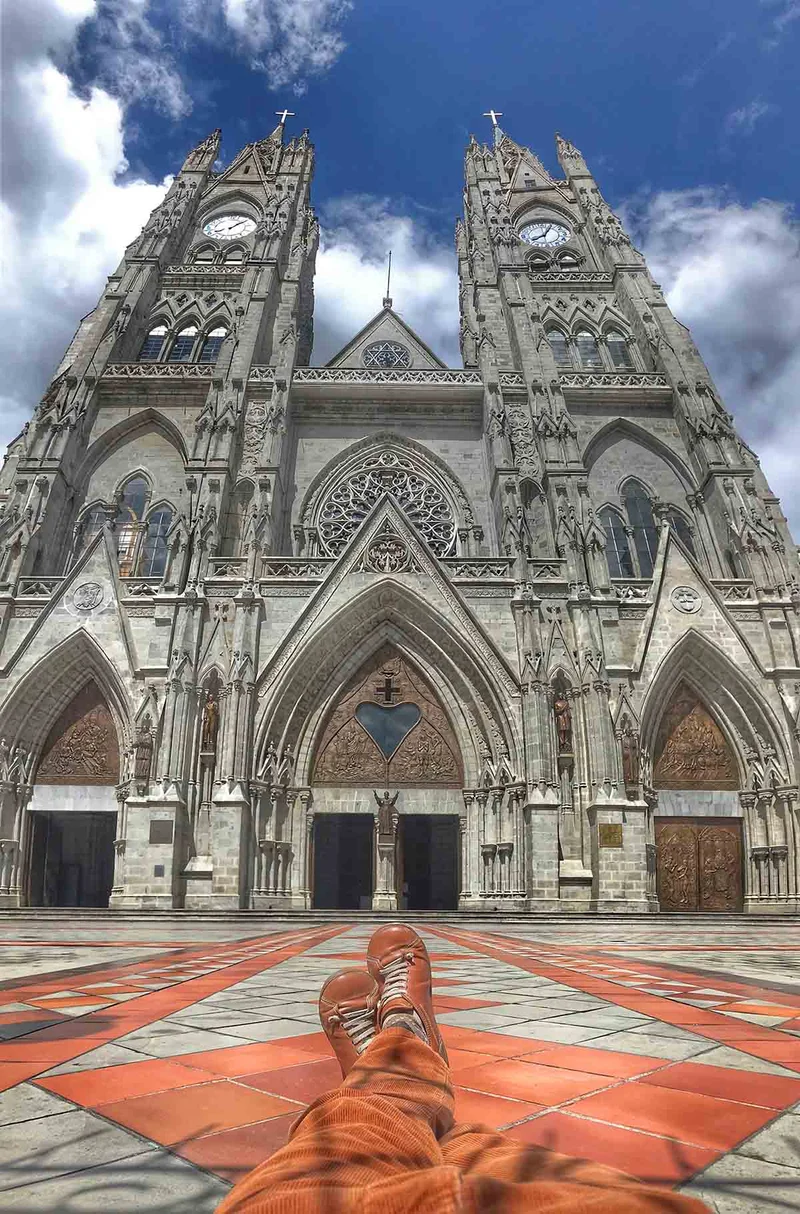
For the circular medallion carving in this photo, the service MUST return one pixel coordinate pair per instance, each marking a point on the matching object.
(686, 599)
(87, 596)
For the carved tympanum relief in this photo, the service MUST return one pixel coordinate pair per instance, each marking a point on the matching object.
(82, 747)
(691, 751)
(388, 730)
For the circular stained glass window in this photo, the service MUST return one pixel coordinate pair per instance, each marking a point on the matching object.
(386, 354)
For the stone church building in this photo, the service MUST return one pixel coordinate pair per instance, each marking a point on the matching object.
(521, 635)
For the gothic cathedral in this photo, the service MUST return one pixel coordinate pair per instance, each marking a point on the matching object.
(384, 634)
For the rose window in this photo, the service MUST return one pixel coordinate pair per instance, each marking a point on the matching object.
(422, 502)
(387, 354)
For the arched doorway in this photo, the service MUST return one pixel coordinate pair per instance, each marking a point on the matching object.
(698, 826)
(394, 843)
(73, 810)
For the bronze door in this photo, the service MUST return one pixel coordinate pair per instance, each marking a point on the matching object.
(699, 865)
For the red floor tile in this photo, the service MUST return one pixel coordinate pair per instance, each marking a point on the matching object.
(248, 1059)
(234, 1153)
(527, 1081)
(490, 1043)
(763, 1009)
(48, 1052)
(769, 1091)
(310, 1043)
(114, 1083)
(786, 1053)
(491, 1110)
(303, 1083)
(460, 1060)
(597, 1062)
(687, 1116)
(642, 1155)
(12, 1073)
(170, 1117)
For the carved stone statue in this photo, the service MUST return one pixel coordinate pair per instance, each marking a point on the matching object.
(563, 716)
(210, 722)
(386, 815)
(630, 757)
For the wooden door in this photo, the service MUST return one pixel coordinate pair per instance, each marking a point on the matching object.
(699, 864)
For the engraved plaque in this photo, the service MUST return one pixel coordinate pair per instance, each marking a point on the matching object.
(161, 830)
(610, 834)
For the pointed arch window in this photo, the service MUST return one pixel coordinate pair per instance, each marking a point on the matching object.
(204, 254)
(618, 551)
(588, 352)
(153, 344)
(236, 254)
(639, 510)
(209, 351)
(91, 523)
(153, 559)
(679, 525)
(618, 351)
(183, 345)
(132, 505)
(560, 348)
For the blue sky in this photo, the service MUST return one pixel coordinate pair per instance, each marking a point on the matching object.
(686, 112)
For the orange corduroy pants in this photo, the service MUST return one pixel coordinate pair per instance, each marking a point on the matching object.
(384, 1143)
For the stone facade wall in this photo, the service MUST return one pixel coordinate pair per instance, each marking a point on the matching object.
(221, 669)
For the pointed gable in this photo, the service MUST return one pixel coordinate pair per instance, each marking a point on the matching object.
(387, 327)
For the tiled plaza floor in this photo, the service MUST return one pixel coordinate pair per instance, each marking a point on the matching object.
(147, 1075)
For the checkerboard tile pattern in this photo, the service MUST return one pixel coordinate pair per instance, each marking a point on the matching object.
(202, 1057)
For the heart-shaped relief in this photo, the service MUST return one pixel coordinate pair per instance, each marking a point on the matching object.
(388, 725)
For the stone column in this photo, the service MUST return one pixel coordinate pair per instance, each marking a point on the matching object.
(384, 896)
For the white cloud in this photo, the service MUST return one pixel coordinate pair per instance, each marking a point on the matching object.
(350, 283)
(67, 208)
(732, 274)
(290, 40)
(133, 57)
(743, 120)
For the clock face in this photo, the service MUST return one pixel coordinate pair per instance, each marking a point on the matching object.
(386, 354)
(544, 234)
(228, 227)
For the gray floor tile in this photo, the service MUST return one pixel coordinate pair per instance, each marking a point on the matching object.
(26, 1102)
(170, 1045)
(739, 1185)
(481, 1018)
(105, 1055)
(547, 1030)
(658, 1028)
(777, 1143)
(598, 1020)
(52, 1146)
(153, 1183)
(649, 1045)
(8, 1032)
(268, 1030)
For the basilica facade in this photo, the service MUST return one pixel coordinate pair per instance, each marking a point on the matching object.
(386, 634)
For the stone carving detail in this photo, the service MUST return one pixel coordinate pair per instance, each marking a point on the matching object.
(158, 371)
(612, 379)
(206, 269)
(387, 554)
(87, 596)
(364, 375)
(686, 599)
(523, 443)
(14, 763)
(82, 747)
(388, 730)
(261, 419)
(423, 503)
(479, 568)
(691, 751)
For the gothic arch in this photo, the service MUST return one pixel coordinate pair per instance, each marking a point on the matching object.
(744, 718)
(41, 696)
(348, 460)
(602, 439)
(300, 699)
(115, 436)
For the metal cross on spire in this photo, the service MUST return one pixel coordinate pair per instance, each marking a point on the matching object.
(387, 299)
(494, 115)
(284, 114)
